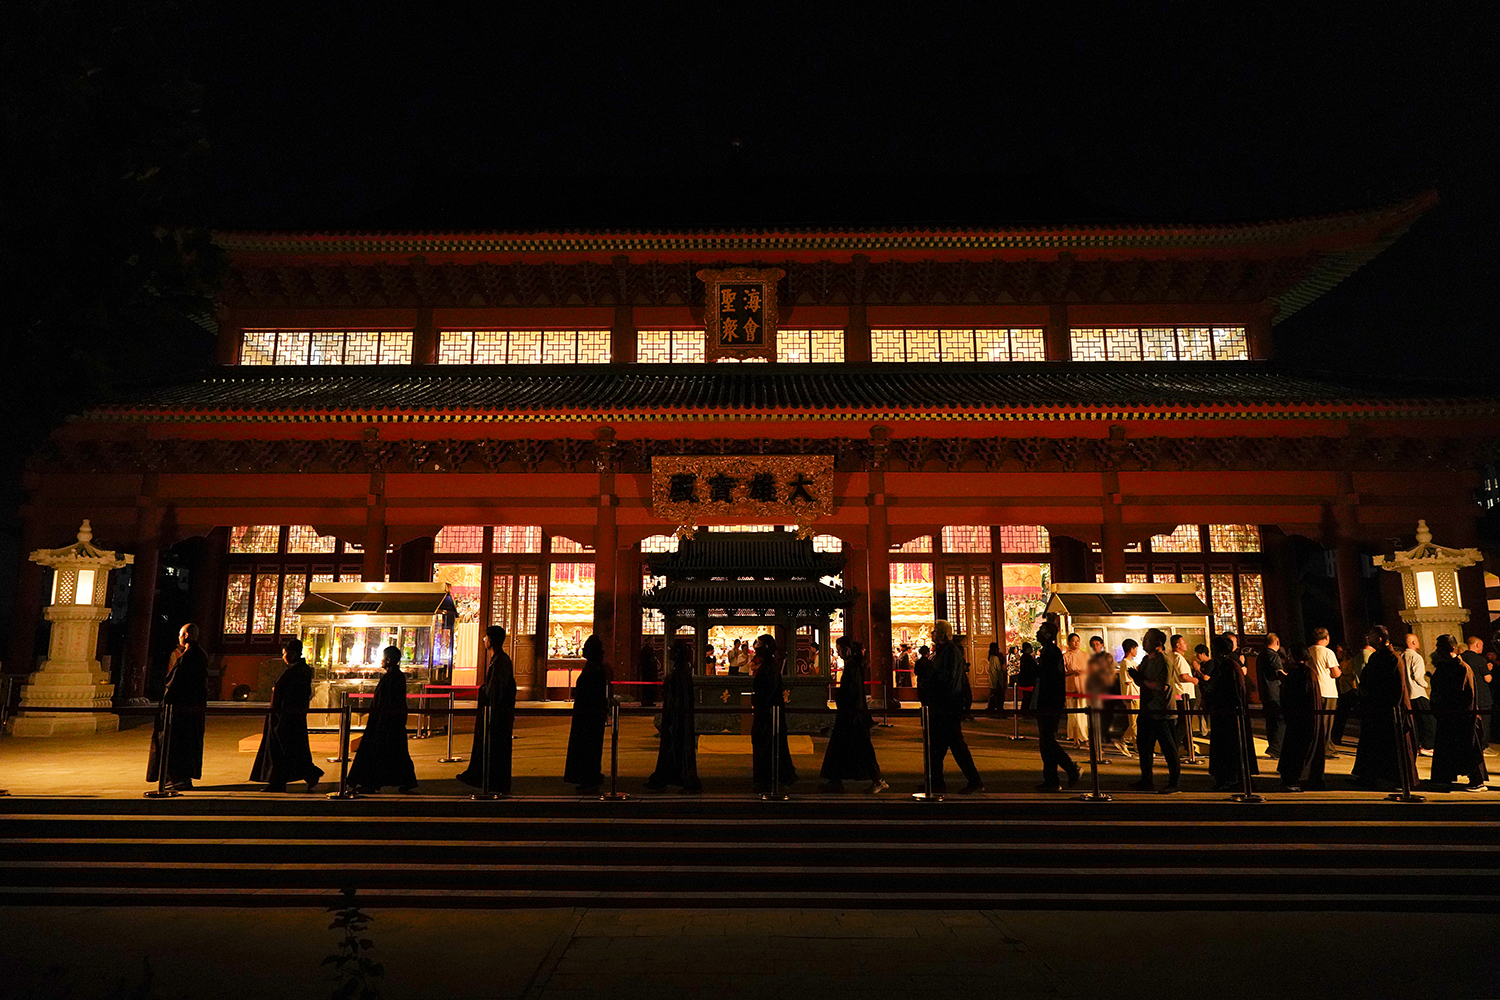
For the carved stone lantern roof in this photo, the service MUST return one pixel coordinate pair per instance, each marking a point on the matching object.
(1428, 555)
(82, 554)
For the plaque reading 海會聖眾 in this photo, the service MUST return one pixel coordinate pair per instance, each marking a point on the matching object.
(740, 312)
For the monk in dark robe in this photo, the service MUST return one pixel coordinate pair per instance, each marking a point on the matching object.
(590, 712)
(186, 691)
(677, 756)
(284, 753)
(850, 753)
(498, 693)
(1379, 761)
(382, 758)
(1226, 701)
(649, 670)
(767, 691)
(1301, 763)
(1458, 747)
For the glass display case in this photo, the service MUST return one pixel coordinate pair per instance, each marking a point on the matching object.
(345, 628)
(1119, 611)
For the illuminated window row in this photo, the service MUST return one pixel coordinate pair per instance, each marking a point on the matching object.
(262, 601)
(924, 345)
(669, 347)
(1163, 343)
(821, 347)
(1189, 538)
(523, 347)
(326, 347)
(468, 539)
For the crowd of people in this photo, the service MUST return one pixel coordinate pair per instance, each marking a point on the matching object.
(1149, 703)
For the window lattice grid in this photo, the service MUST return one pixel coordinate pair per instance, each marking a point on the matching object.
(526, 591)
(923, 346)
(463, 538)
(1252, 603)
(687, 347)
(828, 543)
(525, 348)
(888, 345)
(1184, 538)
(956, 345)
(258, 347)
(1028, 345)
(1087, 345)
(659, 543)
(263, 617)
(958, 605)
(255, 539)
(1193, 344)
(237, 604)
(395, 347)
(502, 594)
(327, 348)
(1123, 344)
(992, 345)
(293, 592)
(653, 347)
(653, 621)
(568, 546)
(559, 347)
(984, 605)
(593, 347)
(292, 347)
(490, 347)
(1194, 575)
(1223, 604)
(809, 346)
(922, 543)
(828, 347)
(361, 348)
(1158, 576)
(1159, 344)
(966, 538)
(303, 539)
(519, 539)
(455, 347)
(1230, 344)
(1234, 538)
(1026, 538)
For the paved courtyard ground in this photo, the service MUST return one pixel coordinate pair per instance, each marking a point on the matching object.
(72, 953)
(114, 764)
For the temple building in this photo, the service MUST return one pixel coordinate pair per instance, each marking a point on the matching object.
(955, 418)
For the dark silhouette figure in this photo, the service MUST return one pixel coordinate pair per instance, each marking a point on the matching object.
(1301, 764)
(1270, 671)
(186, 691)
(1458, 747)
(1226, 699)
(1049, 682)
(768, 690)
(850, 753)
(1379, 760)
(382, 758)
(677, 756)
(590, 713)
(650, 673)
(944, 689)
(284, 753)
(498, 693)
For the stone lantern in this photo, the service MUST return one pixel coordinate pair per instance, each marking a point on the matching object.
(1429, 581)
(70, 677)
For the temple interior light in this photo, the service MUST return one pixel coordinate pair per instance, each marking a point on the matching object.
(84, 592)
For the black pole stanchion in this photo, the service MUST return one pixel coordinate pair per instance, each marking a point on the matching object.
(927, 794)
(1187, 732)
(1247, 757)
(1408, 763)
(885, 701)
(163, 789)
(4, 715)
(484, 794)
(614, 794)
(1095, 731)
(1015, 718)
(450, 759)
(346, 725)
(775, 794)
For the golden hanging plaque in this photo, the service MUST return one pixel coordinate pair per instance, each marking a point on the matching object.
(740, 312)
(789, 489)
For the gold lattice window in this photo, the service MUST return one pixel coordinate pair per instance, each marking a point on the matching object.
(292, 347)
(303, 539)
(659, 543)
(1123, 344)
(1158, 576)
(1185, 343)
(1183, 538)
(1223, 603)
(956, 345)
(1230, 344)
(888, 345)
(1193, 344)
(1233, 538)
(1024, 538)
(922, 543)
(1252, 604)
(361, 348)
(462, 538)
(525, 348)
(1194, 575)
(568, 546)
(1028, 345)
(517, 538)
(326, 347)
(258, 347)
(490, 347)
(293, 591)
(255, 539)
(966, 538)
(263, 616)
(809, 346)
(1159, 344)
(1088, 345)
(237, 604)
(828, 543)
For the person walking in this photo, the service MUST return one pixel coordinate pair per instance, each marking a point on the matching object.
(1050, 698)
(1026, 669)
(186, 691)
(768, 691)
(1483, 675)
(1078, 667)
(1226, 701)
(677, 754)
(1455, 704)
(1326, 670)
(498, 693)
(590, 714)
(1420, 690)
(739, 657)
(1130, 653)
(1384, 708)
(1154, 724)
(383, 758)
(285, 754)
(947, 699)
(1184, 687)
(850, 753)
(1270, 670)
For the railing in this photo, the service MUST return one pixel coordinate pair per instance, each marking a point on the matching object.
(169, 717)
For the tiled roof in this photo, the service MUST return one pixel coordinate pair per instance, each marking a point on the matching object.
(760, 553)
(591, 392)
(767, 595)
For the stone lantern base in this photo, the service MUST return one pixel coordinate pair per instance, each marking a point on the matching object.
(71, 679)
(1429, 623)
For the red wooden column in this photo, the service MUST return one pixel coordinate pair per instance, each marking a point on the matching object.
(424, 339)
(1283, 598)
(143, 577)
(205, 583)
(622, 346)
(606, 546)
(373, 570)
(1070, 559)
(856, 577)
(878, 565)
(857, 327)
(1112, 532)
(1059, 346)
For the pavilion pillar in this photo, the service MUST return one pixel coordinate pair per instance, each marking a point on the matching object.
(543, 637)
(940, 606)
(1070, 559)
(857, 328)
(143, 580)
(606, 548)
(856, 577)
(878, 565)
(373, 569)
(628, 635)
(1112, 531)
(26, 613)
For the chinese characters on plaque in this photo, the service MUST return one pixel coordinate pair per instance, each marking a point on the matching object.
(740, 312)
(787, 489)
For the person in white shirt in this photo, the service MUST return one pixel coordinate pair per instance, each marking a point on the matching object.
(1184, 687)
(1076, 663)
(1131, 659)
(1326, 668)
(1421, 694)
